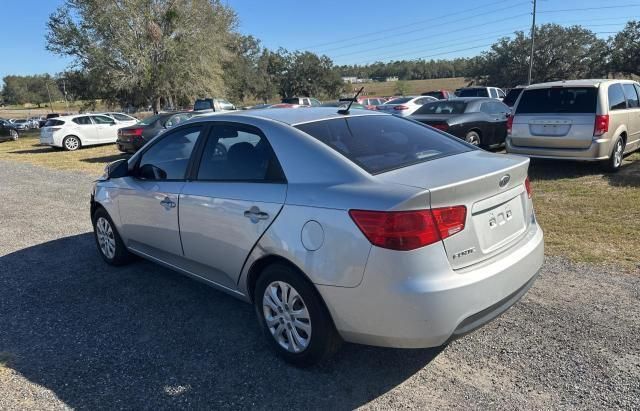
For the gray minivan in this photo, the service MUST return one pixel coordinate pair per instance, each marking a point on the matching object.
(585, 120)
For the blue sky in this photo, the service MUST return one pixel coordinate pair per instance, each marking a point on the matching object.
(348, 31)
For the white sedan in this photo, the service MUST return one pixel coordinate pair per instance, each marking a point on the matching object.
(405, 106)
(73, 132)
(123, 120)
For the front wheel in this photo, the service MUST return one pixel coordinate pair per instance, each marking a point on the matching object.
(615, 161)
(13, 134)
(293, 317)
(110, 245)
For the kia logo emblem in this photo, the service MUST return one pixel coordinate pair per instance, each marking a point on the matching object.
(504, 180)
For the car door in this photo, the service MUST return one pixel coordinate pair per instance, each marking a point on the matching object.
(84, 128)
(107, 129)
(633, 125)
(148, 203)
(501, 112)
(235, 194)
(487, 124)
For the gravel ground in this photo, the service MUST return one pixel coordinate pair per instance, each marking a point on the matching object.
(76, 333)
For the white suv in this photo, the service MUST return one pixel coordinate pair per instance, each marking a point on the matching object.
(73, 132)
(491, 92)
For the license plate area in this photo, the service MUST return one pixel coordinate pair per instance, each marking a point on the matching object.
(500, 224)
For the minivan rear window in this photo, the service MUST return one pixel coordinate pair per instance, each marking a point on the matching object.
(382, 143)
(573, 100)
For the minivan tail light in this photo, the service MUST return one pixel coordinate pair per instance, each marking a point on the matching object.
(601, 125)
(408, 230)
(509, 124)
(400, 107)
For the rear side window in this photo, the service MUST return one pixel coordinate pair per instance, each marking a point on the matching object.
(617, 100)
(473, 92)
(291, 100)
(632, 96)
(84, 121)
(54, 123)
(558, 100)
(442, 107)
(383, 143)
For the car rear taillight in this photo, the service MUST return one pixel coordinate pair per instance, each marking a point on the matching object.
(527, 185)
(441, 126)
(408, 230)
(129, 134)
(601, 125)
(400, 107)
(509, 125)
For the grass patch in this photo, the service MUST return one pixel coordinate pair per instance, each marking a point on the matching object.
(587, 215)
(415, 87)
(90, 160)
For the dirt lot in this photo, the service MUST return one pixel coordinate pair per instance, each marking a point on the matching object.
(75, 333)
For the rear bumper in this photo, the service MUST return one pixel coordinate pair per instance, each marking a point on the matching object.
(599, 149)
(410, 302)
(127, 146)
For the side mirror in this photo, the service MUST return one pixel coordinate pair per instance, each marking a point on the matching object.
(117, 169)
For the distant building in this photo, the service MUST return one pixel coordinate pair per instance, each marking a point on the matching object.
(350, 80)
(393, 78)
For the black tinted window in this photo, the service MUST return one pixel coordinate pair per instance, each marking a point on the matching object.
(203, 105)
(291, 100)
(617, 100)
(512, 96)
(168, 158)
(473, 92)
(382, 143)
(442, 107)
(630, 93)
(86, 120)
(53, 123)
(558, 100)
(238, 154)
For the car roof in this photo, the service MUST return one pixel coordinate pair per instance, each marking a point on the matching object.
(466, 100)
(578, 83)
(292, 116)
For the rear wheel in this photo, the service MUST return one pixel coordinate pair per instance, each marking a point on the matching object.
(473, 137)
(293, 317)
(13, 134)
(71, 143)
(615, 161)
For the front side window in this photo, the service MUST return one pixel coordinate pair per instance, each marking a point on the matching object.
(617, 99)
(235, 153)
(83, 121)
(382, 143)
(169, 157)
(631, 94)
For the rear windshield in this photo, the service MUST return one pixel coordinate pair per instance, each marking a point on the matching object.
(203, 105)
(53, 123)
(436, 94)
(150, 120)
(473, 92)
(442, 107)
(558, 100)
(383, 143)
(399, 100)
(512, 96)
(292, 100)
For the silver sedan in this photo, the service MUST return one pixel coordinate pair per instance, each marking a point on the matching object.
(361, 227)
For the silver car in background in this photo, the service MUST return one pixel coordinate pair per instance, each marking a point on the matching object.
(363, 227)
(405, 106)
(585, 120)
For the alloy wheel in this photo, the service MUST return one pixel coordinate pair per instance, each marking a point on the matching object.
(286, 316)
(71, 143)
(473, 139)
(617, 155)
(106, 238)
(13, 134)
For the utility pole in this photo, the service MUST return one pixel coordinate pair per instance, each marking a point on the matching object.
(533, 42)
(64, 88)
(49, 93)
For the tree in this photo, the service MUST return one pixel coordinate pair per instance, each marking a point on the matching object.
(160, 50)
(625, 50)
(241, 72)
(402, 87)
(308, 74)
(560, 53)
(30, 89)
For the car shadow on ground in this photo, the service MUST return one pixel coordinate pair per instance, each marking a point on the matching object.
(628, 175)
(142, 336)
(106, 159)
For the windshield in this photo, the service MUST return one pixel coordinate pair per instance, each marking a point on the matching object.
(382, 143)
(473, 92)
(399, 100)
(150, 120)
(202, 105)
(558, 100)
(443, 107)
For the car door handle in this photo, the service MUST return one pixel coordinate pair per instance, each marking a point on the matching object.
(254, 213)
(167, 203)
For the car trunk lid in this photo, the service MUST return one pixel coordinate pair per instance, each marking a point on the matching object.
(491, 187)
(553, 130)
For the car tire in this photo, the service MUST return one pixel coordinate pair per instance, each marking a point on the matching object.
(298, 327)
(108, 240)
(614, 162)
(71, 143)
(14, 135)
(473, 137)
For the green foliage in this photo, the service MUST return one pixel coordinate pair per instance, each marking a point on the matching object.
(408, 69)
(402, 87)
(30, 89)
(625, 49)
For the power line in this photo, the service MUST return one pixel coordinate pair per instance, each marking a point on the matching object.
(403, 26)
(589, 8)
(441, 24)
